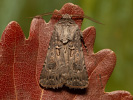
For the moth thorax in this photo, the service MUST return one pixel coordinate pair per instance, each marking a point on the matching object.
(66, 16)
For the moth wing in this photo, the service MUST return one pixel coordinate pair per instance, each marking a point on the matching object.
(50, 76)
(78, 76)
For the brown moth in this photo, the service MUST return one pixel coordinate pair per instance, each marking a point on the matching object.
(64, 64)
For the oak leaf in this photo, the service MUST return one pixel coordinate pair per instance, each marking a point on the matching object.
(21, 62)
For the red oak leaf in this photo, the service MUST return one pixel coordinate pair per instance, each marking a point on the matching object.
(21, 62)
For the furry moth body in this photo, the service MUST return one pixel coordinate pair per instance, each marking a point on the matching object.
(64, 64)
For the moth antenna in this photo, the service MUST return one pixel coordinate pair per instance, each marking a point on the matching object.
(87, 17)
(45, 14)
(92, 19)
(49, 13)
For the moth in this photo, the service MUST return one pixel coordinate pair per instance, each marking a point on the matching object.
(64, 63)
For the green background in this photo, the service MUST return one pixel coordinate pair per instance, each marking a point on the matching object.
(116, 34)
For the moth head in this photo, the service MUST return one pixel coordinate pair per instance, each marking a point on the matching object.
(65, 29)
(66, 16)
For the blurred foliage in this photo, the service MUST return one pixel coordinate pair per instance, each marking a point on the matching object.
(116, 34)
